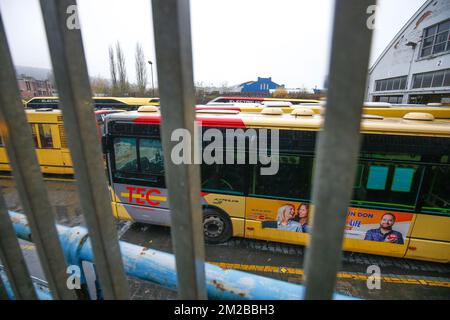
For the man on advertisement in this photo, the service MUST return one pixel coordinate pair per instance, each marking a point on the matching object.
(385, 233)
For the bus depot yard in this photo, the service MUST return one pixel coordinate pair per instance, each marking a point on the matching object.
(400, 278)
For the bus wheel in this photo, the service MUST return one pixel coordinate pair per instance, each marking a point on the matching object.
(217, 226)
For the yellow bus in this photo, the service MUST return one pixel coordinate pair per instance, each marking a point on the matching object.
(232, 99)
(401, 201)
(124, 103)
(50, 140)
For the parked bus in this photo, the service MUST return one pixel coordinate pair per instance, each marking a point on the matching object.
(50, 140)
(401, 200)
(124, 103)
(258, 100)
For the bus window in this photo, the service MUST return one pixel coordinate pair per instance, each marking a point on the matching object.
(45, 133)
(125, 156)
(384, 184)
(438, 197)
(223, 178)
(33, 133)
(151, 157)
(292, 182)
(148, 169)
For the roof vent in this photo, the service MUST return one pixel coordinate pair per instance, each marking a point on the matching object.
(44, 109)
(372, 117)
(377, 105)
(434, 104)
(272, 111)
(420, 116)
(302, 112)
(218, 111)
(147, 109)
(279, 104)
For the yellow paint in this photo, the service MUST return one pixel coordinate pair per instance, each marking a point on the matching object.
(120, 212)
(432, 227)
(428, 250)
(254, 230)
(340, 275)
(234, 206)
(238, 227)
(140, 196)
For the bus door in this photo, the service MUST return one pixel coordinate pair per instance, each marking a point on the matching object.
(48, 147)
(138, 186)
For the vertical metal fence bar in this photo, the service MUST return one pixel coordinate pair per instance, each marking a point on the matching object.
(12, 258)
(3, 292)
(30, 185)
(338, 145)
(171, 19)
(72, 81)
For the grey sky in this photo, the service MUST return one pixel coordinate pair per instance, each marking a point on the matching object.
(233, 40)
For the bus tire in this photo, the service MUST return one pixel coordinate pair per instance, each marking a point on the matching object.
(217, 227)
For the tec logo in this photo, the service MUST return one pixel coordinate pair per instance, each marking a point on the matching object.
(141, 195)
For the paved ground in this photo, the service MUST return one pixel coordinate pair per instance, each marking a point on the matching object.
(401, 279)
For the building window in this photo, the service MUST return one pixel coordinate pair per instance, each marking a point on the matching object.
(434, 79)
(436, 39)
(389, 99)
(28, 85)
(391, 84)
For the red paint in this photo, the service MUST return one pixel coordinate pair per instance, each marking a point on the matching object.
(144, 194)
(218, 108)
(149, 193)
(412, 248)
(206, 121)
(130, 196)
(155, 119)
(140, 191)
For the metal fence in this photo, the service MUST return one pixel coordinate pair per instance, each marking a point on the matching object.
(336, 158)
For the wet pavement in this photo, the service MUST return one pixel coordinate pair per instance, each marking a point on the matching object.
(400, 278)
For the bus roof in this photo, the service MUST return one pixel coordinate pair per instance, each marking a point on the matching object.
(36, 101)
(236, 119)
(237, 98)
(391, 112)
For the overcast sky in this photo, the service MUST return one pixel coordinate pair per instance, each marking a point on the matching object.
(233, 40)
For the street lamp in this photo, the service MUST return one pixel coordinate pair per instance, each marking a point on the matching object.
(153, 86)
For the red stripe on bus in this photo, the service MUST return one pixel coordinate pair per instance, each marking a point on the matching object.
(218, 108)
(222, 122)
(206, 121)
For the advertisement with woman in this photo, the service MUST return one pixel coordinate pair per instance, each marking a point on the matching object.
(363, 224)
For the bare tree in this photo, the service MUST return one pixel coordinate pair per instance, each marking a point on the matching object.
(121, 71)
(141, 70)
(113, 72)
(99, 86)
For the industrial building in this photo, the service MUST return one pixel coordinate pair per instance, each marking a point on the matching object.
(415, 66)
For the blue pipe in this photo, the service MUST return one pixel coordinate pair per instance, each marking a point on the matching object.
(42, 292)
(159, 267)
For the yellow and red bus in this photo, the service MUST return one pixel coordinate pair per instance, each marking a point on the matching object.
(401, 201)
(123, 103)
